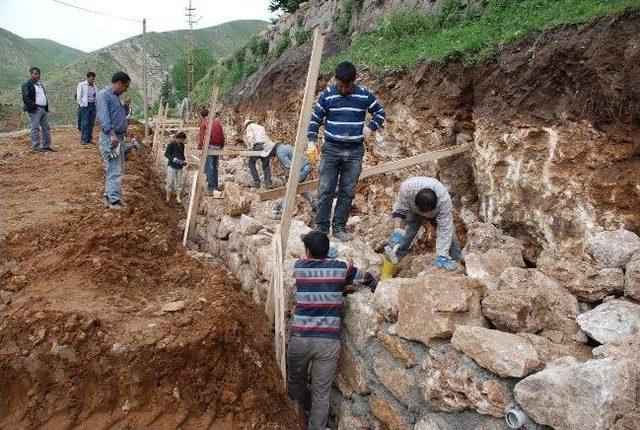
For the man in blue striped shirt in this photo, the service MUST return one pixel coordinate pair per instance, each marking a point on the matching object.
(315, 332)
(342, 109)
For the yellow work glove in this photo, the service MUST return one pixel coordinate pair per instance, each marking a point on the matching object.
(312, 153)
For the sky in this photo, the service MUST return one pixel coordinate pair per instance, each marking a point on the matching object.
(88, 32)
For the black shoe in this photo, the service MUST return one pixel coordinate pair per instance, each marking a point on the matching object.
(37, 149)
(322, 230)
(49, 149)
(117, 205)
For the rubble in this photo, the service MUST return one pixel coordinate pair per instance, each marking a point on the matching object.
(505, 354)
(486, 267)
(385, 298)
(613, 248)
(395, 379)
(632, 278)
(568, 395)
(613, 321)
(432, 306)
(360, 318)
(529, 301)
(389, 415)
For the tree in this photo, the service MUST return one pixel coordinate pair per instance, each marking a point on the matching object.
(179, 79)
(288, 6)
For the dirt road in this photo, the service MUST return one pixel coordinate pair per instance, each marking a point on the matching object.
(87, 339)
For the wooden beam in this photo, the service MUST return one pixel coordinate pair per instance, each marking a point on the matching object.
(196, 192)
(376, 170)
(241, 152)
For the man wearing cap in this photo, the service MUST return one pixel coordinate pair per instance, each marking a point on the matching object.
(255, 137)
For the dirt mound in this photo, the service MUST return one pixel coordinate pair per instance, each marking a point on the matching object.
(107, 323)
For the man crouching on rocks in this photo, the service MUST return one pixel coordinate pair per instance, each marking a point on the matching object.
(315, 332)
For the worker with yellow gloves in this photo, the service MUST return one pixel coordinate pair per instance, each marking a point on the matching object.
(342, 110)
(421, 198)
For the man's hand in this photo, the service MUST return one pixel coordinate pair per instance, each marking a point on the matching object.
(114, 141)
(397, 237)
(312, 153)
(444, 262)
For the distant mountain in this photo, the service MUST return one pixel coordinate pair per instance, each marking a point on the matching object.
(61, 76)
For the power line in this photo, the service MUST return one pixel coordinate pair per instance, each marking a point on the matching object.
(98, 13)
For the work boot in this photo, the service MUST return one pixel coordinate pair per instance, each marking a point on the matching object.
(167, 196)
(255, 185)
(178, 196)
(117, 205)
(342, 235)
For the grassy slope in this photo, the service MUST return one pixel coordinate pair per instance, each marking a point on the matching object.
(164, 49)
(406, 39)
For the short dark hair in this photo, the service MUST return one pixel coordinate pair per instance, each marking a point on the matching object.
(121, 77)
(204, 112)
(426, 199)
(34, 69)
(317, 243)
(91, 74)
(180, 135)
(345, 72)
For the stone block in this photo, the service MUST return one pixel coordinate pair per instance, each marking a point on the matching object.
(486, 267)
(632, 278)
(248, 225)
(385, 298)
(360, 318)
(395, 379)
(613, 248)
(398, 348)
(351, 376)
(387, 413)
(504, 354)
(613, 321)
(434, 305)
(226, 226)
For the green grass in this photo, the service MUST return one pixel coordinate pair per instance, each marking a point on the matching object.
(473, 31)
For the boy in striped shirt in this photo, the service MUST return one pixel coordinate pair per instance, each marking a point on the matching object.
(315, 332)
(342, 109)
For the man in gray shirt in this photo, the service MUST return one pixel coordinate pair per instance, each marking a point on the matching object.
(421, 198)
(113, 120)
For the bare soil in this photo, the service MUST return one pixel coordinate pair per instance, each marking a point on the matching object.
(84, 340)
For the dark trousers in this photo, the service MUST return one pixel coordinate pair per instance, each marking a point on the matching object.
(86, 122)
(211, 168)
(340, 166)
(266, 167)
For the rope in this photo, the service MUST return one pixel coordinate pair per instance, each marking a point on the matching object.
(98, 13)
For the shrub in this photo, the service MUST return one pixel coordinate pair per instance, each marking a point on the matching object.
(282, 44)
(342, 20)
(258, 47)
(302, 35)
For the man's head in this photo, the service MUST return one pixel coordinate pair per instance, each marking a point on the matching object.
(345, 77)
(120, 82)
(34, 72)
(247, 122)
(91, 77)
(426, 200)
(204, 112)
(316, 244)
(181, 137)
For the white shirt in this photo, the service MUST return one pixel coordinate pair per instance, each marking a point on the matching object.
(255, 133)
(41, 98)
(85, 94)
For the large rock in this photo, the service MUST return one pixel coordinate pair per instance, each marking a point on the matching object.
(398, 348)
(568, 395)
(385, 298)
(529, 301)
(452, 382)
(549, 351)
(613, 321)
(613, 248)
(236, 200)
(432, 307)
(387, 413)
(505, 354)
(458, 421)
(486, 267)
(248, 225)
(632, 278)
(628, 422)
(359, 254)
(482, 237)
(395, 379)
(351, 374)
(226, 226)
(360, 318)
(580, 275)
(350, 419)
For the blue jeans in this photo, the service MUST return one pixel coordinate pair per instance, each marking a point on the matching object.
(113, 168)
(37, 120)
(413, 223)
(211, 168)
(304, 174)
(86, 121)
(340, 166)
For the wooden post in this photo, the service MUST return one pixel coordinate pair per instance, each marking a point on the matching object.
(275, 299)
(196, 190)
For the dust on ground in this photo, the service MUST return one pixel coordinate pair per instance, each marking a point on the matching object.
(90, 336)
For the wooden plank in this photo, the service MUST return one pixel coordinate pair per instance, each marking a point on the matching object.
(243, 152)
(194, 198)
(280, 247)
(376, 170)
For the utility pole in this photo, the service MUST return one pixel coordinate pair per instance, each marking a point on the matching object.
(190, 51)
(145, 100)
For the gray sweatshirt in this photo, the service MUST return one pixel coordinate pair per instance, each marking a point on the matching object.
(443, 213)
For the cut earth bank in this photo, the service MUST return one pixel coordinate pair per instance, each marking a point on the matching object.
(544, 314)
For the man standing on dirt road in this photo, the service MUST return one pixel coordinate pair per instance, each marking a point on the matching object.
(342, 109)
(86, 99)
(314, 342)
(216, 143)
(36, 105)
(113, 120)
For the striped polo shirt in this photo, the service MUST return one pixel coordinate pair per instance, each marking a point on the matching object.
(343, 117)
(319, 290)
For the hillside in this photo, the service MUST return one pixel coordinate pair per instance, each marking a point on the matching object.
(164, 49)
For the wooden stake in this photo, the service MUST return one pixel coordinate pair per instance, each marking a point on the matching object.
(376, 170)
(275, 299)
(196, 190)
